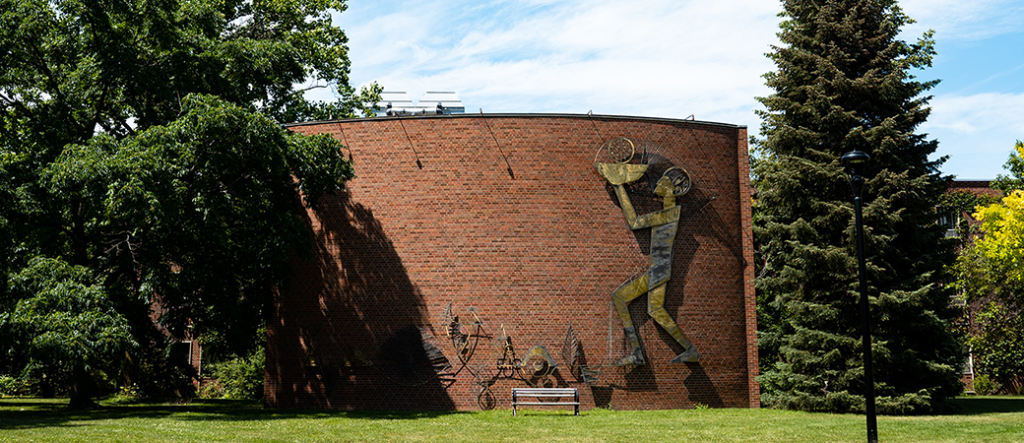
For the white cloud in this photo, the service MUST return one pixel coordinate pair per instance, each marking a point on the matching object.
(978, 131)
(665, 58)
(659, 58)
(964, 20)
(979, 113)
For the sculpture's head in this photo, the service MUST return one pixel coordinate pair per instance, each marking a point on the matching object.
(665, 187)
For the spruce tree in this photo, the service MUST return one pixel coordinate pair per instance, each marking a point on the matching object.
(844, 83)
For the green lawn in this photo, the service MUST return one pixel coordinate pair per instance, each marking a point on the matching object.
(981, 419)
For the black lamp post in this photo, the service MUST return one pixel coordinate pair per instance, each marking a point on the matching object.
(854, 162)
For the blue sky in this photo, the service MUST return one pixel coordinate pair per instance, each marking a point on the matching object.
(674, 58)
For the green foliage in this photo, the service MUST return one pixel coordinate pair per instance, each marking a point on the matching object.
(998, 344)
(961, 201)
(1003, 243)
(1015, 164)
(996, 329)
(209, 390)
(348, 105)
(65, 322)
(983, 385)
(140, 142)
(990, 280)
(241, 378)
(12, 386)
(843, 83)
(978, 278)
(211, 197)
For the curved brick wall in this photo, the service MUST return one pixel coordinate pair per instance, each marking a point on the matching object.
(503, 221)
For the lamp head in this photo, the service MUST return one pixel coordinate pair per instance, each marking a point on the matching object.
(853, 160)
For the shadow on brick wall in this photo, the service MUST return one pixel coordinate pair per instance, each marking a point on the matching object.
(358, 324)
(700, 388)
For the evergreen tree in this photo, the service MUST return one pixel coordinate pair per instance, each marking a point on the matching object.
(844, 83)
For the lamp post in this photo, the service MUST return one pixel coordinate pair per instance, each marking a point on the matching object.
(854, 161)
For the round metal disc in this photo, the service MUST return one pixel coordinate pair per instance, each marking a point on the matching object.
(680, 180)
(619, 150)
(536, 366)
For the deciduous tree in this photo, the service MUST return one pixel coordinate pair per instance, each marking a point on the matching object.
(1015, 164)
(64, 323)
(988, 278)
(141, 140)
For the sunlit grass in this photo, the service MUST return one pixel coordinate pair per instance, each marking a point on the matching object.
(980, 419)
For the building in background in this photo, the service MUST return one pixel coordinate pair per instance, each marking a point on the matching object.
(398, 103)
(962, 224)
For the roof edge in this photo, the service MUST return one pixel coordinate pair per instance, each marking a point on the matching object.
(521, 115)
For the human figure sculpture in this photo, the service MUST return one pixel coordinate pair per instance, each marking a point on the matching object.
(663, 224)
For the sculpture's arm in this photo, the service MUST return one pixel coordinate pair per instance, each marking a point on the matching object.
(619, 174)
(647, 220)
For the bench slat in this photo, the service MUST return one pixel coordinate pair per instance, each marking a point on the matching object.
(558, 393)
(544, 389)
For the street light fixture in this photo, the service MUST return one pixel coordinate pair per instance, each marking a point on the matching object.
(854, 161)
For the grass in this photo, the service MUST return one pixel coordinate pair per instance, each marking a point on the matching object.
(981, 419)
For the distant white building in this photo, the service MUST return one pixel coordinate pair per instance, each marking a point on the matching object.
(433, 102)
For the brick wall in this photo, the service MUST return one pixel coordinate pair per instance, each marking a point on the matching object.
(502, 221)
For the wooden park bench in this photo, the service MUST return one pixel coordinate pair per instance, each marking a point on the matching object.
(537, 394)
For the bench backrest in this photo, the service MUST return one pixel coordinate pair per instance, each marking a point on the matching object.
(543, 391)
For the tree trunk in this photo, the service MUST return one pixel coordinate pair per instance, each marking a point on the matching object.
(80, 383)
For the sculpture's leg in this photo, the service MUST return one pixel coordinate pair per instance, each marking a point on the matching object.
(656, 309)
(626, 293)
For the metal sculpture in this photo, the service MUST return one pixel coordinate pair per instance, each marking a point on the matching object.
(572, 354)
(537, 368)
(673, 183)
(413, 357)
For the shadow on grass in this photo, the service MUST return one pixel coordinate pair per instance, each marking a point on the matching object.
(40, 413)
(987, 405)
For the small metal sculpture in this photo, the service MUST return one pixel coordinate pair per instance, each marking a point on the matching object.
(571, 352)
(673, 183)
(537, 368)
(411, 357)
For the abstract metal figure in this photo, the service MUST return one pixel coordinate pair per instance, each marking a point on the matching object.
(673, 183)
(537, 368)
